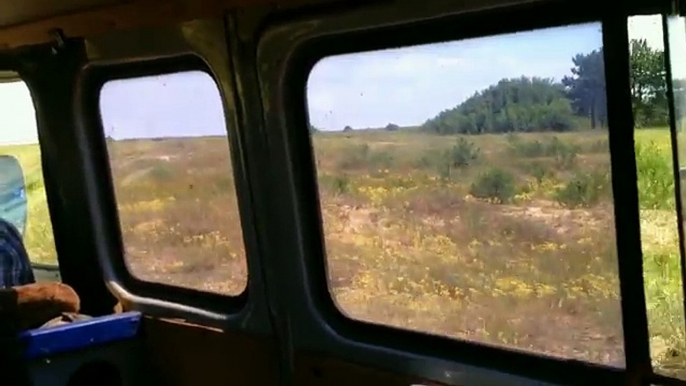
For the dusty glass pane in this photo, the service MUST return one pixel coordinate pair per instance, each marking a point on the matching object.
(169, 154)
(465, 190)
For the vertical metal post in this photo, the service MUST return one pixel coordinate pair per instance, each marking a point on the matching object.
(625, 191)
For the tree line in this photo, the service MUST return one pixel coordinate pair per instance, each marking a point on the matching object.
(540, 104)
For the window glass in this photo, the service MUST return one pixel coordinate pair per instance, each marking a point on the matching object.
(19, 140)
(169, 154)
(466, 190)
(659, 224)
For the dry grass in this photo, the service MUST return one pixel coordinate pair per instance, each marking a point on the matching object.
(409, 247)
(407, 244)
(179, 214)
(38, 235)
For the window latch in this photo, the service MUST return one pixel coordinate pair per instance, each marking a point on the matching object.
(60, 40)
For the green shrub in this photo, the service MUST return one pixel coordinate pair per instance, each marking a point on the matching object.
(655, 177)
(495, 184)
(336, 184)
(584, 189)
(463, 154)
(540, 171)
(341, 184)
(564, 153)
(460, 156)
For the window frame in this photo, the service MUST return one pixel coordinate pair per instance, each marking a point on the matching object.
(95, 78)
(42, 271)
(374, 30)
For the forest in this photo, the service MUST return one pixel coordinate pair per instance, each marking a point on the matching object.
(539, 104)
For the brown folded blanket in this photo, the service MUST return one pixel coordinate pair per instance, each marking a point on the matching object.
(31, 306)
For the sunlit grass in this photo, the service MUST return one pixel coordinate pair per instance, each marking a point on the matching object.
(38, 235)
(409, 245)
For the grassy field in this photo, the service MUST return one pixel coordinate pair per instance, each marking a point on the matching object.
(501, 239)
(38, 234)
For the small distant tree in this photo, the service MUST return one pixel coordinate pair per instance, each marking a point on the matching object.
(347, 129)
(392, 127)
(495, 184)
(463, 154)
(313, 129)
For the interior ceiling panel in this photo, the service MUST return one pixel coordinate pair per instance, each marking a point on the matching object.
(21, 11)
(30, 22)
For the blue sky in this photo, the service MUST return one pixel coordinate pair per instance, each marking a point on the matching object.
(174, 105)
(405, 86)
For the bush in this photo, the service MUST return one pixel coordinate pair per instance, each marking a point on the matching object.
(495, 184)
(584, 189)
(341, 185)
(392, 127)
(460, 156)
(463, 154)
(540, 171)
(347, 129)
(655, 177)
(335, 184)
(564, 153)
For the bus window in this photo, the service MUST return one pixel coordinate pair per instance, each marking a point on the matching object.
(171, 168)
(465, 190)
(19, 140)
(656, 181)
